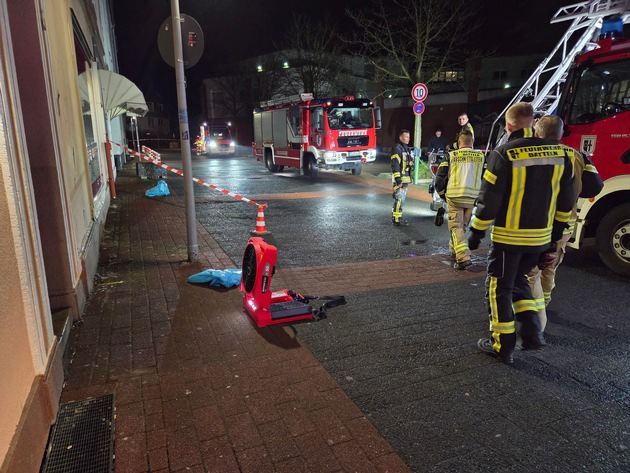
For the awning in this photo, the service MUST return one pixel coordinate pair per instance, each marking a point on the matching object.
(119, 94)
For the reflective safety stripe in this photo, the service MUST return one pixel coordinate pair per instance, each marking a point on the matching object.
(590, 168)
(528, 132)
(563, 216)
(521, 237)
(513, 214)
(488, 176)
(479, 224)
(555, 189)
(524, 305)
(503, 327)
(539, 303)
(557, 161)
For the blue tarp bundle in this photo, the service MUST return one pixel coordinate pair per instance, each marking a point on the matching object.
(160, 190)
(217, 277)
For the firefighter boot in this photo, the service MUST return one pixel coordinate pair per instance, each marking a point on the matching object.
(485, 345)
(400, 223)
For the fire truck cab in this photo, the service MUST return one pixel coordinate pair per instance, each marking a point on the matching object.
(312, 134)
(596, 110)
(219, 140)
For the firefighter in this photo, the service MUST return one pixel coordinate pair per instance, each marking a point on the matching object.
(464, 124)
(199, 144)
(527, 194)
(402, 169)
(457, 181)
(588, 184)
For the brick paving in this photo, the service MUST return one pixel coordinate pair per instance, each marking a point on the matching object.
(197, 386)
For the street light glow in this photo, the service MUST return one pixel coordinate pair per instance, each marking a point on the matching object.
(259, 68)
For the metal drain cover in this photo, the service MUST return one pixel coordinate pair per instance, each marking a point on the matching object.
(82, 438)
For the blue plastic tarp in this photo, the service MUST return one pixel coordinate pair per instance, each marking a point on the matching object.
(217, 277)
(160, 190)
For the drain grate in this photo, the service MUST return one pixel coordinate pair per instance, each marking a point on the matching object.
(82, 438)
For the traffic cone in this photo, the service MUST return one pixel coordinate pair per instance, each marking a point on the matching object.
(261, 229)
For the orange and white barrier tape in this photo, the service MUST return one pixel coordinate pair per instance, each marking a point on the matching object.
(154, 155)
(198, 181)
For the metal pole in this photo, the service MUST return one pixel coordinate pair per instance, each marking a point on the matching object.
(184, 134)
(135, 121)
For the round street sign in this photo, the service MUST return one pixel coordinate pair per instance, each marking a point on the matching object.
(419, 92)
(192, 41)
(418, 108)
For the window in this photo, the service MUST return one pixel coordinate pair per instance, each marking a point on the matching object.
(349, 118)
(450, 76)
(499, 75)
(601, 91)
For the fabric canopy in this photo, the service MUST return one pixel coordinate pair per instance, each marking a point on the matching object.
(119, 94)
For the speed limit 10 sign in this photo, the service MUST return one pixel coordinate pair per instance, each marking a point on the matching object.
(419, 92)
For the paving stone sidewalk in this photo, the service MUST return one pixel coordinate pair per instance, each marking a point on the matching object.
(197, 386)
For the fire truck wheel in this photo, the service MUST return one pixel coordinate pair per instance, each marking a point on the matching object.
(310, 166)
(356, 171)
(613, 239)
(272, 167)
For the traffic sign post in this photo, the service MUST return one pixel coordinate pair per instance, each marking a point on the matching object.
(419, 93)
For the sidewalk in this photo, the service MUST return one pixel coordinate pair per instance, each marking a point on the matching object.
(197, 386)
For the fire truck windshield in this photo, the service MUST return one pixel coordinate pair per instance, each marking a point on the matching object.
(339, 118)
(599, 91)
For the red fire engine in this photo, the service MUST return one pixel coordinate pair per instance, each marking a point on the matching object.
(312, 134)
(589, 87)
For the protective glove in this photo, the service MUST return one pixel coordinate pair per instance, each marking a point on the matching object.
(558, 230)
(475, 238)
(548, 257)
(396, 189)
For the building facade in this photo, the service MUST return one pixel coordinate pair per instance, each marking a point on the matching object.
(56, 185)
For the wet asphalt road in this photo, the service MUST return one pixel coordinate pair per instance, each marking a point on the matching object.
(407, 356)
(324, 227)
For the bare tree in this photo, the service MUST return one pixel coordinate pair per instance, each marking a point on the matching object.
(411, 41)
(314, 48)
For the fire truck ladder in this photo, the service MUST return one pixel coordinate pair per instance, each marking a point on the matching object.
(545, 83)
(291, 99)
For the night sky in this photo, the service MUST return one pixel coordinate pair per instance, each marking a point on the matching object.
(237, 29)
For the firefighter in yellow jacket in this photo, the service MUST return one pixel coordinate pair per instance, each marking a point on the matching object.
(402, 169)
(457, 181)
(526, 196)
(588, 183)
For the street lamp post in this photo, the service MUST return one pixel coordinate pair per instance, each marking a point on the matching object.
(184, 133)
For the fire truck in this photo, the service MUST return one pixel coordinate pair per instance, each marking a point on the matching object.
(312, 134)
(216, 139)
(586, 81)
